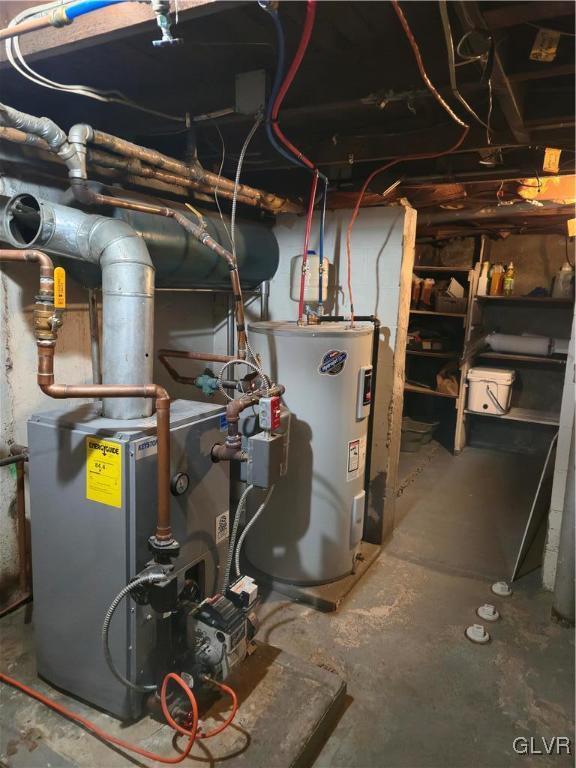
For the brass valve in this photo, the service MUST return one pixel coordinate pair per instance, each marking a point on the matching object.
(47, 321)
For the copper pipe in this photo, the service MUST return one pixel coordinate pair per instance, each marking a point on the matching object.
(163, 534)
(25, 27)
(137, 172)
(204, 357)
(194, 172)
(46, 334)
(231, 449)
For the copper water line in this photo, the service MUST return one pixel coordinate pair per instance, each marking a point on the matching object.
(195, 172)
(205, 357)
(46, 329)
(163, 535)
(130, 171)
(231, 449)
(33, 25)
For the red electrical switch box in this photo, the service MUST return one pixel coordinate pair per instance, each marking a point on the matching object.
(269, 414)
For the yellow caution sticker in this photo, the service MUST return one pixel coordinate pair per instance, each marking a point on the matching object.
(59, 288)
(551, 160)
(571, 227)
(545, 45)
(104, 471)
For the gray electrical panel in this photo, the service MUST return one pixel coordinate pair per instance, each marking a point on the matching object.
(93, 507)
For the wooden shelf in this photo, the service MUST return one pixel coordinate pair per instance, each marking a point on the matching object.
(542, 300)
(438, 314)
(424, 353)
(425, 391)
(522, 358)
(441, 269)
(527, 415)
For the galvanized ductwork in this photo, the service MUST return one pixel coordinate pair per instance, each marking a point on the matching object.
(181, 261)
(127, 285)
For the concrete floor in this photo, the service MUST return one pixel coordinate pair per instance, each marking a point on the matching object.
(419, 694)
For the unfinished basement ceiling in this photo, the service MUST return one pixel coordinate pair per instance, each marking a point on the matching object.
(357, 100)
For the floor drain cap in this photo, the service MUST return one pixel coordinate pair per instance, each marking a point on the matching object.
(502, 589)
(477, 633)
(488, 612)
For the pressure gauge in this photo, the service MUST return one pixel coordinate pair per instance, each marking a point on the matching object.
(179, 483)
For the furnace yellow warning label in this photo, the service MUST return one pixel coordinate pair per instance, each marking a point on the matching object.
(104, 471)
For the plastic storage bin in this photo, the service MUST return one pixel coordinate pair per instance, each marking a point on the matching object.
(490, 390)
(415, 434)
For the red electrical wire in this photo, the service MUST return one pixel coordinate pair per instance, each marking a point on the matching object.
(283, 90)
(290, 75)
(191, 733)
(420, 156)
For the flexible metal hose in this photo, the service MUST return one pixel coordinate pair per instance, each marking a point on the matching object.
(247, 528)
(243, 151)
(254, 366)
(232, 543)
(149, 578)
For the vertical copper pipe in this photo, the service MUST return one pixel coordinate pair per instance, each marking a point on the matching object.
(163, 534)
(46, 333)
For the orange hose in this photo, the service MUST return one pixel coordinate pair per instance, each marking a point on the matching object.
(219, 728)
(421, 156)
(191, 732)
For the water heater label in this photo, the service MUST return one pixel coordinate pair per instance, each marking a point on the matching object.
(104, 471)
(332, 362)
(356, 458)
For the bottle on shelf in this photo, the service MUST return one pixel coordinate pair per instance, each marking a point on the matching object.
(496, 280)
(482, 289)
(508, 283)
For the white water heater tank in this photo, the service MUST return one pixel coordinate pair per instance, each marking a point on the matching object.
(311, 529)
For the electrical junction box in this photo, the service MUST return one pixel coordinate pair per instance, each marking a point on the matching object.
(267, 454)
(364, 396)
(250, 91)
(93, 507)
(265, 459)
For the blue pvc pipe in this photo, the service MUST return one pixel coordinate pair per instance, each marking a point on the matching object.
(87, 6)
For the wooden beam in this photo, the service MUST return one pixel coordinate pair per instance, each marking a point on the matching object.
(106, 24)
(506, 92)
(521, 13)
(541, 73)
